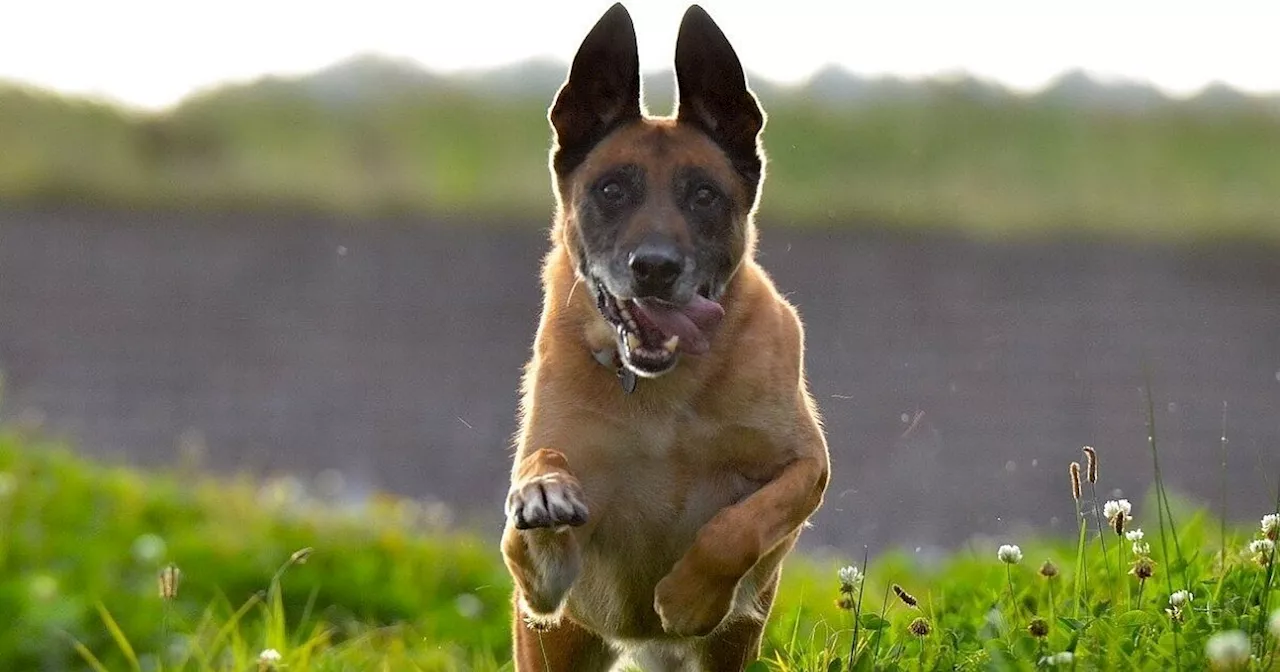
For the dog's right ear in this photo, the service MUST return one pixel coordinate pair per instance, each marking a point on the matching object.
(602, 91)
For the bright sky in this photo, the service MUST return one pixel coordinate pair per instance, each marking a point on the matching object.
(150, 53)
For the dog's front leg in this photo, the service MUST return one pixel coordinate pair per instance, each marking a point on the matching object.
(539, 548)
(696, 595)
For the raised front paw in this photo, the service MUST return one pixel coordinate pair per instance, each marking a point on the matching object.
(692, 604)
(550, 500)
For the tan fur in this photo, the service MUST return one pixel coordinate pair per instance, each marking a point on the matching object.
(697, 484)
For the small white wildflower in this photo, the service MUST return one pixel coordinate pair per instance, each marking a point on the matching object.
(1115, 507)
(1180, 598)
(469, 606)
(1228, 649)
(850, 577)
(148, 548)
(1262, 546)
(43, 587)
(1271, 525)
(1275, 624)
(1134, 534)
(269, 657)
(1141, 549)
(1009, 554)
(1061, 658)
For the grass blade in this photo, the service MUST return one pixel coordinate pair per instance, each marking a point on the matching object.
(118, 635)
(89, 659)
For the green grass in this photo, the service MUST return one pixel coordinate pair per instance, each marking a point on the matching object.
(383, 586)
(987, 166)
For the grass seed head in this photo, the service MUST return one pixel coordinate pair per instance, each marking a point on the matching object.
(920, 627)
(1048, 570)
(169, 579)
(1075, 481)
(1092, 461)
(907, 598)
(301, 556)
(1143, 567)
(1039, 628)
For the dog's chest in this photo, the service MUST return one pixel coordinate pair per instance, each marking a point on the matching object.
(661, 484)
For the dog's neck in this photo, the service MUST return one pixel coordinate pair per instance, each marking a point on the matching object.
(610, 359)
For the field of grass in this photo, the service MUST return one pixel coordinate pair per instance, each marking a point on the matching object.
(974, 162)
(258, 568)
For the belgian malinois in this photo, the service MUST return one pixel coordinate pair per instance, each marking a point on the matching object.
(669, 451)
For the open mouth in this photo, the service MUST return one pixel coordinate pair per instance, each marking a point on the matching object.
(653, 333)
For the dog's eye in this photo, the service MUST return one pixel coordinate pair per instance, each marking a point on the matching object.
(612, 192)
(705, 197)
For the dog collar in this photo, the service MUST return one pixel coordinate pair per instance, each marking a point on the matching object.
(610, 358)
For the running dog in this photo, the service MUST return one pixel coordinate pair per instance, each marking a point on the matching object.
(669, 452)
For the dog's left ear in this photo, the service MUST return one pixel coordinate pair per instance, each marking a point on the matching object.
(713, 92)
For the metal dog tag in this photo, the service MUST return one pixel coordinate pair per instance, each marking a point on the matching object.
(628, 379)
(610, 357)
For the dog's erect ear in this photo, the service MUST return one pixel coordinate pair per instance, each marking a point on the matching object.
(713, 91)
(602, 92)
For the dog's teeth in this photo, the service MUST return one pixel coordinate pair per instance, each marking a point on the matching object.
(672, 343)
(633, 342)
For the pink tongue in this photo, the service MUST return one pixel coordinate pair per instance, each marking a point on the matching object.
(693, 322)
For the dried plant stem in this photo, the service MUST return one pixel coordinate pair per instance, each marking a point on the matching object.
(1102, 537)
(1053, 615)
(857, 608)
(1163, 513)
(1080, 579)
(884, 607)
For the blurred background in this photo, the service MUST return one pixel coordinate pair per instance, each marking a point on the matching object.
(290, 240)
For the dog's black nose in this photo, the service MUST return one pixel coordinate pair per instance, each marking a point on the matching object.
(655, 269)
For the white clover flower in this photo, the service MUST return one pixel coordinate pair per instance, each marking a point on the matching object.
(1228, 649)
(1274, 626)
(269, 657)
(1134, 534)
(1115, 507)
(1061, 658)
(1009, 554)
(1271, 525)
(1181, 597)
(1141, 549)
(850, 578)
(1262, 546)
